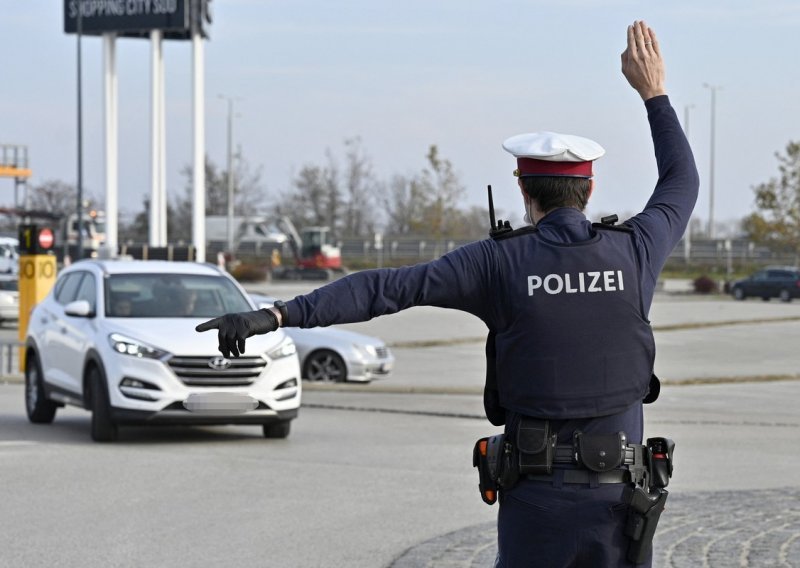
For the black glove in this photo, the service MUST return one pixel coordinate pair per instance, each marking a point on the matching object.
(235, 328)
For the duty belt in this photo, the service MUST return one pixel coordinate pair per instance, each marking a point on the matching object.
(583, 476)
(534, 450)
(569, 454)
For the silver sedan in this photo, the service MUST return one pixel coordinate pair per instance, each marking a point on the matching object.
(9, 299)
(335, 355)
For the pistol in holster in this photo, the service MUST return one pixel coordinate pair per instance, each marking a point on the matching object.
(647, 498)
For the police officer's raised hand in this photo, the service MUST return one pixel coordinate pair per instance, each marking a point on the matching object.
(235, 328)
(641, 62)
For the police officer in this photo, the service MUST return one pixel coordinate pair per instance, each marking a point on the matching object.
(568, 303)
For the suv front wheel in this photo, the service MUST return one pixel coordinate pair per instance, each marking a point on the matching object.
(785, 295)
(40, 409)
(103, 427)
(277, 429)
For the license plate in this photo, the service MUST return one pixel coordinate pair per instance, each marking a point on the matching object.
(220, 403)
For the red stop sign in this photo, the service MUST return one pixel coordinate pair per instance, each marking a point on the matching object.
(45, 238)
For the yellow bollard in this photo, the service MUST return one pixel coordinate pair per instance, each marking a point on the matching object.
(37, 274)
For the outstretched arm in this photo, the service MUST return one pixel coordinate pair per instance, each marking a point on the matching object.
(663, 221)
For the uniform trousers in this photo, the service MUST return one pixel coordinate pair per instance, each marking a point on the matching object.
(544, 524)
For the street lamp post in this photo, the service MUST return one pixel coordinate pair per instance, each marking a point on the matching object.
(230, 171)
(714, 89)
(686, 109)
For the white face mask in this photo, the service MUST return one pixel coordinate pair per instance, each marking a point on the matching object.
(527, 218)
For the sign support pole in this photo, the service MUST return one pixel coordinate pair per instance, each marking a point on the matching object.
(111, 139)
(156, 139)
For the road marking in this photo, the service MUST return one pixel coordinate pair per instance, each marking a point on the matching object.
(13, 443)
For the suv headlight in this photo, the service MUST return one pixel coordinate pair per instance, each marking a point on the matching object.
(286, 349)
(127, 346)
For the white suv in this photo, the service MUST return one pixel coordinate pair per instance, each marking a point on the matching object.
(117, 337)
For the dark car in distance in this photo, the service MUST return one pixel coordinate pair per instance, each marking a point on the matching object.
(781, 282)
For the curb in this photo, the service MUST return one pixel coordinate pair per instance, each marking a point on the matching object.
(399, 389)
(389, 389)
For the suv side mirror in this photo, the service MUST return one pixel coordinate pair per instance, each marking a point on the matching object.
(79, 309)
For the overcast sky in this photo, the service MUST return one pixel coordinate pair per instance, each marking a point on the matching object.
(403, 75)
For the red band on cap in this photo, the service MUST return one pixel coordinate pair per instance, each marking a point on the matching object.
(534, 167)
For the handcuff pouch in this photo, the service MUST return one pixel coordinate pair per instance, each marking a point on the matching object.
(600, 452)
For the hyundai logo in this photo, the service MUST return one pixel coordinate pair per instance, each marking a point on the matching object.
(219, 363)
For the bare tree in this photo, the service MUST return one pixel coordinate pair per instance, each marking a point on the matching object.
(777, 223)
(443, 191)
(404, 202)
(249, 194)
(315, 197)
(59, 197)
(470, 223)
(360, 217)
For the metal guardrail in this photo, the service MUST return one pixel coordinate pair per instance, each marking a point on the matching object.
(709, 251)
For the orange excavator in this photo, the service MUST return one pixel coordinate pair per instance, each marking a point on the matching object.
(316, 254)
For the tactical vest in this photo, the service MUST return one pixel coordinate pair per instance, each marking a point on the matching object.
(576, 343)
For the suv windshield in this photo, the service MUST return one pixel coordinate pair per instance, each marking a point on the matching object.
(172, 296)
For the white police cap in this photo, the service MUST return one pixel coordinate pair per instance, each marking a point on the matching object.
(553, 154)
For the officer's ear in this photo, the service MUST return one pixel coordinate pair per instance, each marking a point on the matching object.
(591, 188)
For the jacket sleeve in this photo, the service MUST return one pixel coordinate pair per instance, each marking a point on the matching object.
(664, 219)
(457, 280)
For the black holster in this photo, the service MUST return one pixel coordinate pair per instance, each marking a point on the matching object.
(646, 501)
(645, 510)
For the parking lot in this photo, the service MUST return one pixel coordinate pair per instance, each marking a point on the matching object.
(380, 475)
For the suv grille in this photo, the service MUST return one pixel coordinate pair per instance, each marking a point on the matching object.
(196, 371)
(382, 352)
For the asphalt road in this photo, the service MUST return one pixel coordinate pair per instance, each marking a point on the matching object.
(381, 476)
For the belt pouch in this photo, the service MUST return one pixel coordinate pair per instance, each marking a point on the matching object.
(485, 456)
(600, 452)
(535, 446)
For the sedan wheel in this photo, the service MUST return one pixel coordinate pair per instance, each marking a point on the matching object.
(40, 410)
(785, 296)
(738, 293)
(325, 366)
(103, 427)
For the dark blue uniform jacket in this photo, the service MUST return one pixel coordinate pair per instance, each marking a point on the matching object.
(470, 277)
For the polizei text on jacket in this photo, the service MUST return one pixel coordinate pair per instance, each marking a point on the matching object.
(582, 282)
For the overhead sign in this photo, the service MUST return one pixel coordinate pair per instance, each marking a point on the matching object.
(131, 17)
